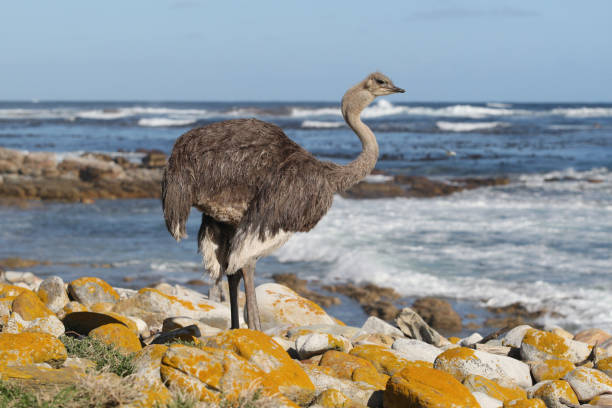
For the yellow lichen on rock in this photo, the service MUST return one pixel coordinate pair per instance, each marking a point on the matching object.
(7, 290)
(370, 376)
(91, 290)
(118, 335)
(29, 306)
(551, 369)
(525, 403)
(415, 387)
(552, 391)
(605, 365)
(478, 383)
(332, 398)
(344, 364)
(382, 358)
(101, 307)
(74, 306)
(263, 352)
(29, 348)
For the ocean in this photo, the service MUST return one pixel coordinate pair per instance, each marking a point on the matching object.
(544, 240)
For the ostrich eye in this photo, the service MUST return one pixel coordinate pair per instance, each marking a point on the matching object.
(380, 81)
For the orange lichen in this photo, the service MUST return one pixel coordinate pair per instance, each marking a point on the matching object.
(551, 369)
(383, 359)
(477, 383)
(343, 364)
(605, 365)
(454, 340)
(370, 376)
(29, 348)
(7, 290)
(101, 307)
(525, 403)
(118, 335)
(30, 307)
(332, 398)
(185, 303)
(93, 284)
(547, 342)
(426, 388)
(554, 390)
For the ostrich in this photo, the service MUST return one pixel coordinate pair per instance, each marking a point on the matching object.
(256, 187)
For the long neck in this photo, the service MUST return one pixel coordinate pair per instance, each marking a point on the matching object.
(354, 102)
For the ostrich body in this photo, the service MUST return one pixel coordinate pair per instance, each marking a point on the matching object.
(256, 187)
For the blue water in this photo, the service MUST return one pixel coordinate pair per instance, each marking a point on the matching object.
(543, 240)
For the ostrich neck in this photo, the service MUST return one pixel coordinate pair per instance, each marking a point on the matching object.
(350, 174)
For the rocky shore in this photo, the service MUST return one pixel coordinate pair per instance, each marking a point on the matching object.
(92, 176)
(172, 347)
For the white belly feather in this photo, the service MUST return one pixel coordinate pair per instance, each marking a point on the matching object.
(248, 248)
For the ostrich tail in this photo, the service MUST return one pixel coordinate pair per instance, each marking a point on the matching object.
(176, 203)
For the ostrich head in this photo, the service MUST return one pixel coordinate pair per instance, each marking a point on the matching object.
(362, 94)
(379, 84)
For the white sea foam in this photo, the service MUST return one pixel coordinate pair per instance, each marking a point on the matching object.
(583, 112)
(378, 178)
(164, 122)
(319, 124)
(496, 245)
(468, 126)
(304, 112)
(499, 105)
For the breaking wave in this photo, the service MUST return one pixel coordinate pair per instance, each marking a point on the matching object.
(468, 126)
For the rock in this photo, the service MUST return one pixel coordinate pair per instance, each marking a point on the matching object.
(332, 398)
(478, 383)
(72, 307)
(154, 159)
(375, 325)
(79, 363)
(486, 401)
(318, 343)
(188, 333)
(53, 293)
(264, 353)
(48, 324)
(300, 287)
(10, 291)
(279, 306)
(333, 329)
(470, 340)
(525, 403)
(541, 345)
(118, 335)
(607, 347)
(461, 362)
(593, 336)
(551, 391)
(438, 313)
(359, 392)
(173, 323)
(551, 369)
(30, 348)
(90, 290)
(605, 365)
(588, 383)
(25, 279)
(354, 368)
(209, 372)
(373, 338)
(84, 322)
(426, 388)
(30, 307)
(514, 337)
(154, 307)
(385, 360)
(102, 307)
(559, 331)
(413, 326)
(416, 350)
(147, 364)
(602, 400)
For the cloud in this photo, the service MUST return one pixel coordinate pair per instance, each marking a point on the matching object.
(460, 12)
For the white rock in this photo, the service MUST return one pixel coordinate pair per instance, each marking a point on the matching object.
(28, 279)
(379, 326)
(415, 350)
(48, 324)
(318, 343)
(55, 291)
(334, 329)
(588, 383)
(279, 305)
(471, 339)
(491, 366)
(487, 402)
(514, 337)
(538, 345)
(359, 392)
(179, 322)
(143, 327)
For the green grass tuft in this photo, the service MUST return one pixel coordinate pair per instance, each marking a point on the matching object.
(106, 357)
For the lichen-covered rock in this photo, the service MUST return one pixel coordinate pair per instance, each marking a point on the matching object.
(91, 290)
(208, 372)
(416, 350)
(542, 345)
(318, 343)
(188, 334)
(101, 307)
(154, 306)
(173, 323)
(525, 403)
(426, 388)
(550, 369)
(413, 326)
(39, 376)
(552, 391)
(514, 337)
(605, 365)
(486, 401)
(264, 353)
(593, 336)
(72, 307)
(281, 306)
(333, 329)
(461, 362)
(53, 294)
(588, 383)
(602, 400)
(147, 364)
(30, 348)
(118, 335)
(354, 368)
(29, 306)
(48, 324)
(10, 291)
(332, 398)
(478, 383)
(376, 325)
(385, 360)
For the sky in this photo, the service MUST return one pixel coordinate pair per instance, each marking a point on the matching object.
(438, 50)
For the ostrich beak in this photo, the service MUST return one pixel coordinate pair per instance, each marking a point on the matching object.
(395, 89)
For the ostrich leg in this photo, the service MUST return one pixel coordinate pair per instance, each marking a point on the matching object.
(233, 282)
(248, 272)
